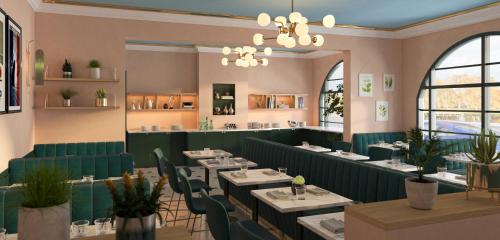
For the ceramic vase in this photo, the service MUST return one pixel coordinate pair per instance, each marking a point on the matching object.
(421, 195)
(51, 222)
(101, 102)
(95, 73)
(67, 102)
(133, 229)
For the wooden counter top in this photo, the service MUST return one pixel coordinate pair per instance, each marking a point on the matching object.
(397, 214)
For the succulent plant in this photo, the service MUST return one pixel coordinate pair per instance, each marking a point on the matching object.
(101, 93)
(94, 63)
(67, 93)
(484, 148)
(299, 180)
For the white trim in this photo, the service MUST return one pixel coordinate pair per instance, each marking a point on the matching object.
(156, 48)
(277, 54)
(440, 25)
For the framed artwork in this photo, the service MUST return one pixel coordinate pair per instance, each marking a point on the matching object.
(365, 84)
(3, 47)
(382, 111)
(14, 66)
(389, 80)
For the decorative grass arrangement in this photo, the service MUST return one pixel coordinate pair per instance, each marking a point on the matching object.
(101, 93)
(45, 187)
(422, 151)
(135, 202)
(67, 93)
(94, 64)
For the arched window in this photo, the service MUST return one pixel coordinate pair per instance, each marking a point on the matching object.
(333, 81)
(460, 94)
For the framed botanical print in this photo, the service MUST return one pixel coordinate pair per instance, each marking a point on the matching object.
(3, 57)
(389, 80)
(365, 85)
(14, 66)
(382, 111)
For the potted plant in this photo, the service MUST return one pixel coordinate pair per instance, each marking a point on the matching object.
(334, 101)
(422, 192)
(67, 69)
(67, 94)
(298, 181)
(101, 98)
(95, 69)
(483, 170)
(45, 209)
(135, 210)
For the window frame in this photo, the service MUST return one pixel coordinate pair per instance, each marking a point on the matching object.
(427, 84)
(322, 94)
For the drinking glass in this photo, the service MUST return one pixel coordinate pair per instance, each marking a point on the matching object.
(441, 171)
(102, 225)
(282, 171)
(381, 142)
(88, 178)
(243, 166)
(3, 234)
(226, 160)
(300, 192)
(80, 227)
(305, 144)
(339, 151)
(396, 161)
(206, 150)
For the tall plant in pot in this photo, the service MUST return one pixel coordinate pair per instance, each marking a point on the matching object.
(67, 94)
(95, 69)
(45, 209)
(101, 99)
(483, 172)
(422, 192)
(334, 101)
(135, 210)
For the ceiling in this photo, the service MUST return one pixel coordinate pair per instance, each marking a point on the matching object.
(380, 14)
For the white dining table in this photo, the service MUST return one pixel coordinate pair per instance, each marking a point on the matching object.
(222, 164)
(403, 167)
(386, 146)
(314, 148)
(350, 156)
(457, 157)
(313, 223)
(448, 177)
(202, 154)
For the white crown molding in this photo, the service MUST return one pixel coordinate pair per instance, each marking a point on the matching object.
(435, 26)
(276, 54)
(156, 48)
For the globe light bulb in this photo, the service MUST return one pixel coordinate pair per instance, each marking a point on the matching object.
(224, 61)
(268, 51)
(301, 29)
(318, 40)
(247, 49)
(303, 20)
(329, 21)
(305, 40)
(282, 39)
(254, 62)
(238, 62)
(263, 19)
(245, 64)
(254, 50)
(226, 50)
(290, 42)
(280, 21)
(265, 62)
(295, 17)
(258, 39)
(238, 50)
(248, 57)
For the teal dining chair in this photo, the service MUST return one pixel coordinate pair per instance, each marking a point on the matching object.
(341, 145)
(379, 153)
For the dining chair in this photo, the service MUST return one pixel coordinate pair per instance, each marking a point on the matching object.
(379, 153)
(341, 145)
(158, 155)
(196, 205)
(222, 229)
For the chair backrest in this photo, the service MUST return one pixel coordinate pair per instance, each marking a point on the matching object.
(188, 193)
(240, 232)
(360, 141)
(78, 149)
(217, 218)
(379, 153)
(160, 161)
(341, 145)
(173, 178)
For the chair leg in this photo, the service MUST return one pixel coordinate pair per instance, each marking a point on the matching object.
(194, 221)
(189, 219)
(171, 198)
(177, 210)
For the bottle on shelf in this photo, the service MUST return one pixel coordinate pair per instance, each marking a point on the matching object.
(211, 125)
(231, 109)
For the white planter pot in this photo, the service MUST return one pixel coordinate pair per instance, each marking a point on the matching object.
(101, 102)
(51, 223)
(132, 229)
(421, 195)
(95, 73)
(67, 103)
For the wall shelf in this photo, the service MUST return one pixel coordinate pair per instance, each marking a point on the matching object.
(72, 80)
(279, 109)
(160, 100)
(277, 101)
(165, 110)
(81, 108)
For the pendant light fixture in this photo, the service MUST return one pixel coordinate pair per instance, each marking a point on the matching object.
(292, 30)
(245, 56)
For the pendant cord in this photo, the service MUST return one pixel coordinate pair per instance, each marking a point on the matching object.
(292, 6)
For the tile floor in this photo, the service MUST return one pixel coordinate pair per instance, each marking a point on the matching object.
(198, 173)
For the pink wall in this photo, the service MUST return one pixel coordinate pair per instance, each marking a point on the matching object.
(16, 130)
(420, 52)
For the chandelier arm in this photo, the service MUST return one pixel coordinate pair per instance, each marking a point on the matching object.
(292, 6)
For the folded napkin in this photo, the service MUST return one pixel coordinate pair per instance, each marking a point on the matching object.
(276, 194)
(460, 177)
(270, 173)
(239, 175)
(333, 225)
(238, 160)
(213, 161)
(317, 191)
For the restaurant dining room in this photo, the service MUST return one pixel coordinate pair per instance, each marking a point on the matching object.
(249, 120)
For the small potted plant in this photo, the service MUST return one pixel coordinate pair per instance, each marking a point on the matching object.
(101, 98)
(95, 69)
(422, 192)
(135, 210)
(45, 209)
(483, 172)
(67, 94)
(67, 69)
(298, 181)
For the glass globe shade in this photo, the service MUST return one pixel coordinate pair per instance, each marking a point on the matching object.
(268, 51)
(254, 50)
(295, 17)
(224, 61)
(282, 39)
(247, 49)
(329, 21)
(254, 62)
(248, 57)
(238, 62)
(301, 29)
(290, 42)
(305, 40)
(226, 50)
(245, 64)
(318, 41)
(263, 19)
(303, 20)
(265, 62)
(258, 39)
(280, 21)
(238, 50)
